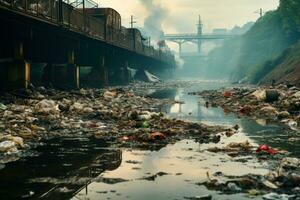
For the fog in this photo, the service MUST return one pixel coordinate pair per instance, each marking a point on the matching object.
(256, 39)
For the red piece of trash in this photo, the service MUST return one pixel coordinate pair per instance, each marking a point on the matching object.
(157, 136)
(266, 148)
(227, 94)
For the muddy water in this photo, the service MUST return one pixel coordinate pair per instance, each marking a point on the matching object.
(85, 168)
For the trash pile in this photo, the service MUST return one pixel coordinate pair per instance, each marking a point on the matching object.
(114, 114)
(282, 182)
(279, 103)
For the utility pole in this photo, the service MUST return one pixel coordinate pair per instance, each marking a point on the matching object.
(260, 12)
(132, 22)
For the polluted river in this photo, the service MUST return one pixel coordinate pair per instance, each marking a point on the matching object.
(80, 167)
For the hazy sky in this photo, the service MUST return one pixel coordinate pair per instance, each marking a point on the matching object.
(182, 14)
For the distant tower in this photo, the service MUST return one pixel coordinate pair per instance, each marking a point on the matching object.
(199, 33)
(199, 26)
(261, 12)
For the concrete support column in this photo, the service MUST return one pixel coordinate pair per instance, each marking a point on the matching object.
(199, 46)
(103, 72)
(98, 76)
(17, 72)
(73, 71)
(126, 73)
(63, 75)
(74, 75)
(180, 48)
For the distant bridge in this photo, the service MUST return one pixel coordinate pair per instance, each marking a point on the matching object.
(195, 38)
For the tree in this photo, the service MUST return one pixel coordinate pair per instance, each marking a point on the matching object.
(290, 14)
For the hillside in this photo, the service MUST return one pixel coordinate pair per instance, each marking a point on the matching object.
(287, 68)
(268, 45)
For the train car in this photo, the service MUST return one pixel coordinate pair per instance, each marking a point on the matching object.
(137, 39)
(109, 19)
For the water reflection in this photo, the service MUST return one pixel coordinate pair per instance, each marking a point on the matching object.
(171, 173)
(63, 167)
(195, 109)
(261, 131)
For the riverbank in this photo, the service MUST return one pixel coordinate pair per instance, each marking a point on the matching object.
(118, 115)
(277, 104)
(122, 139)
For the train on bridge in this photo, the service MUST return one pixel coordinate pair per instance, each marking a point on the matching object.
(63, 39)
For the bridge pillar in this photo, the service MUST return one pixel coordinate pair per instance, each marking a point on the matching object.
(73, 70)
(124, 72)
(180, 48)
(103, 72)
(98, 76)
(63, 75)
(15, 73)
(199, 44)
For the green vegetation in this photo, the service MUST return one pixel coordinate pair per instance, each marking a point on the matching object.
(253, 55)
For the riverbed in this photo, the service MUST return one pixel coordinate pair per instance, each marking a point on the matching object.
(88, 168)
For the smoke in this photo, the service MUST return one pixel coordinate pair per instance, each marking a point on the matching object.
(153, 26)
(153, 22)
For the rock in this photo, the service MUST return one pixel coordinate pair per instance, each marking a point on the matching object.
(272, 95)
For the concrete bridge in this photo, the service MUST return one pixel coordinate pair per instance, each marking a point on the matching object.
(52, 42)
(196, 38)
